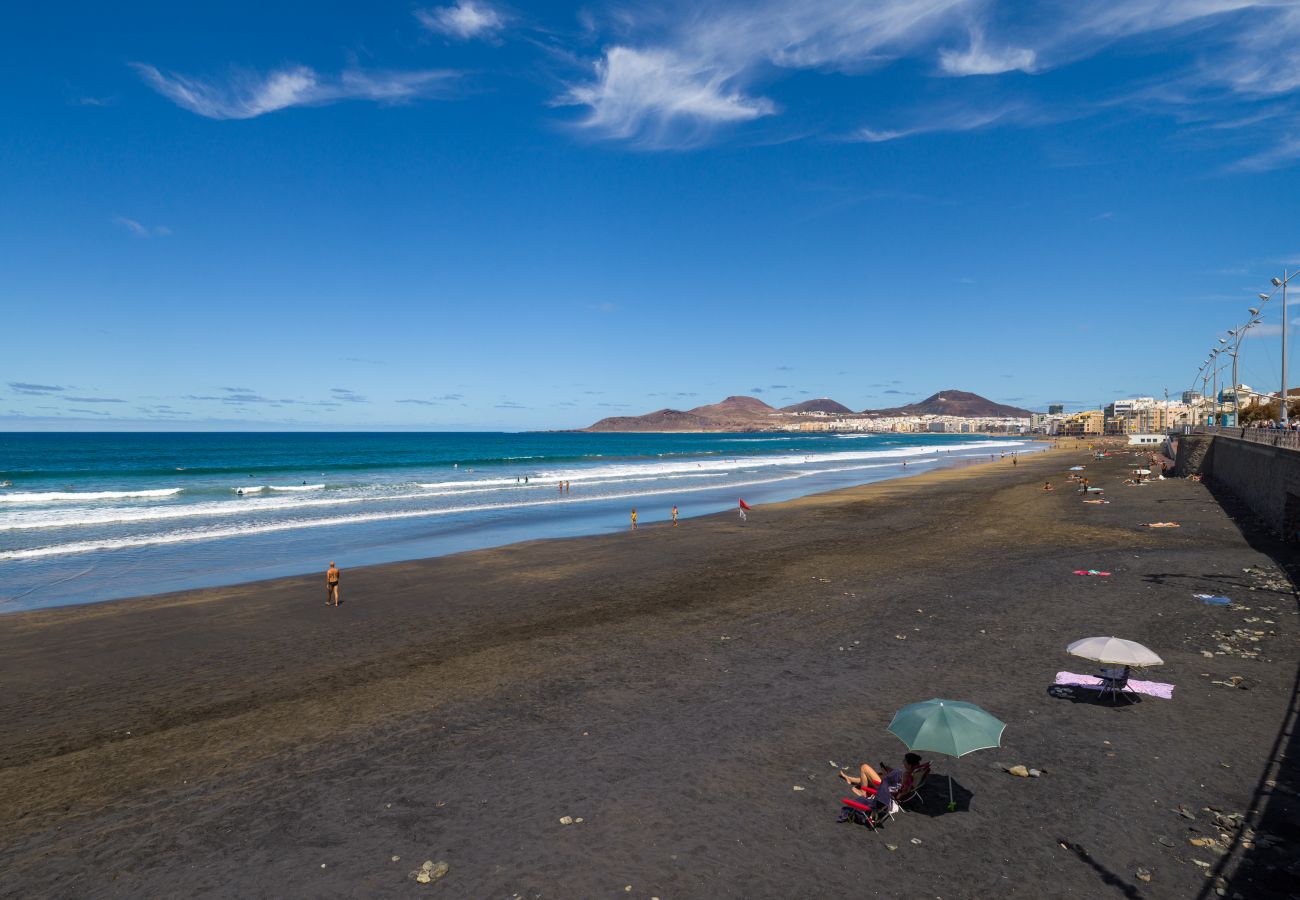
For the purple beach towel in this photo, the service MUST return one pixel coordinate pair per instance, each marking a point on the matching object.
(1150, 688)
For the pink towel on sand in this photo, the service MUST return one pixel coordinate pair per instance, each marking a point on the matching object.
(1150, 688)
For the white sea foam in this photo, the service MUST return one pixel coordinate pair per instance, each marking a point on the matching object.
(597, 478)
(250, 528)
(84, 496)
(31, 519)
(295, 487)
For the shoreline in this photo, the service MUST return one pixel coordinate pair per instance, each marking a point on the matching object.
(680, 690)
(587, 517)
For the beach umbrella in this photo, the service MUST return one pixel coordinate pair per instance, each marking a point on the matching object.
(951, 727)
(1114, 651)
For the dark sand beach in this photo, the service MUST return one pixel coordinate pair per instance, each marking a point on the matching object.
(685, 692)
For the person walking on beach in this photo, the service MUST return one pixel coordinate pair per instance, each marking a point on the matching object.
(332, 585)
(744, 508)
(674, 517)
(634, 520)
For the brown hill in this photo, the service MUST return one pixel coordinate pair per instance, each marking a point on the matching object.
(732, 414)
(661, 420)
(736, 409)
(824, 405)
(954, 403)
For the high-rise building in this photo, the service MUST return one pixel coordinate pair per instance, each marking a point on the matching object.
(1191, 396)
(1055, 409)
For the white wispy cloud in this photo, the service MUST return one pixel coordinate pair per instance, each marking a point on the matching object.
(674, 75)
(659, 98)
(670, 92)
(465, 20)
(980, 59)
(1284, 151)
(247, 95)
(946, 121)
(141, 230)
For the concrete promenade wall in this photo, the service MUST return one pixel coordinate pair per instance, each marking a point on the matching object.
(1265, 478)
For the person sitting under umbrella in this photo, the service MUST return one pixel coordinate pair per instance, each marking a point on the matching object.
(897, 782)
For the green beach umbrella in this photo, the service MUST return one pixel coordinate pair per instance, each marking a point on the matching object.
(951, 727)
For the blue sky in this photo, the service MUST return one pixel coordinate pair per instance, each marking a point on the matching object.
(478, 215)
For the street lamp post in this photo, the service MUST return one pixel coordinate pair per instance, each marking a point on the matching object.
(1282, 284)
(1218, 419)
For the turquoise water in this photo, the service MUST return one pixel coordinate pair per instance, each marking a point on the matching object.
(92, 517)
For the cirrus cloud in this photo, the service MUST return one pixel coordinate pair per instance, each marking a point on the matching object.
(465, 20)
(247, 95)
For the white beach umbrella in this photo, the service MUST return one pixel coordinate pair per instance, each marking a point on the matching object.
(1114, 651)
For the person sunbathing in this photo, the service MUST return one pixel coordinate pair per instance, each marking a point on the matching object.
(898, 782)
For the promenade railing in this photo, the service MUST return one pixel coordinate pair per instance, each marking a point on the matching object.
(1272, 437)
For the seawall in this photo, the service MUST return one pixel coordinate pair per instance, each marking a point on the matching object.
(1264, 476)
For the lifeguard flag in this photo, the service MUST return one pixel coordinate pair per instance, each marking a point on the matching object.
(744, 505)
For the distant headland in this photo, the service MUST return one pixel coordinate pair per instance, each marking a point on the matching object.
(741, 413)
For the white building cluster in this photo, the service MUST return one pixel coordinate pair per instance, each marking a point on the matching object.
(912, 424)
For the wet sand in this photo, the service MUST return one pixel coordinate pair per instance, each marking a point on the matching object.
(672, 688)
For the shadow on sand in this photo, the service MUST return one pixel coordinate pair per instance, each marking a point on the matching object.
(932, 800)
(1091, 696)
(1266, 866)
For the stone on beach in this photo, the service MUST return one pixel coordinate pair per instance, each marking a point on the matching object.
(430, 871)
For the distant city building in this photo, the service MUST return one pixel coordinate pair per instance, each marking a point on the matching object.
(1191, 396)
(1056, 409)
(1088, 422)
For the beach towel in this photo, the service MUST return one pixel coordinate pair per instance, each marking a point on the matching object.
(1150, 688)
(1090, 572)
(1096, 501)
(1162, 525)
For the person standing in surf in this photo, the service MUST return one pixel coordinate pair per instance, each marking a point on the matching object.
(332, 585)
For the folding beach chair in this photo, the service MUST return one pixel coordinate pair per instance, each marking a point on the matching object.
(919, 776)
(1115, 683)
(866, 812)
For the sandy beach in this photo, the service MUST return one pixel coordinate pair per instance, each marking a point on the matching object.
(688, 695)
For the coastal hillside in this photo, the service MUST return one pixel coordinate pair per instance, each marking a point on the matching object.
(736, 413)
(658, 421)
(736, 409)
(823, 405)
(953, 403)
(741, 413)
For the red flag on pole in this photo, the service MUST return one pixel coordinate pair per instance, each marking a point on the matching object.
(744, 505)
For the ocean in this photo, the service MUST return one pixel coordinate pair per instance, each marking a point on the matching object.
(93, 517)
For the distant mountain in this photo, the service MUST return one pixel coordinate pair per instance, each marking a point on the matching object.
(732, 414)
(953, 403)
(830, 407)
(751, 414)
(736, 409)
(661, 420)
